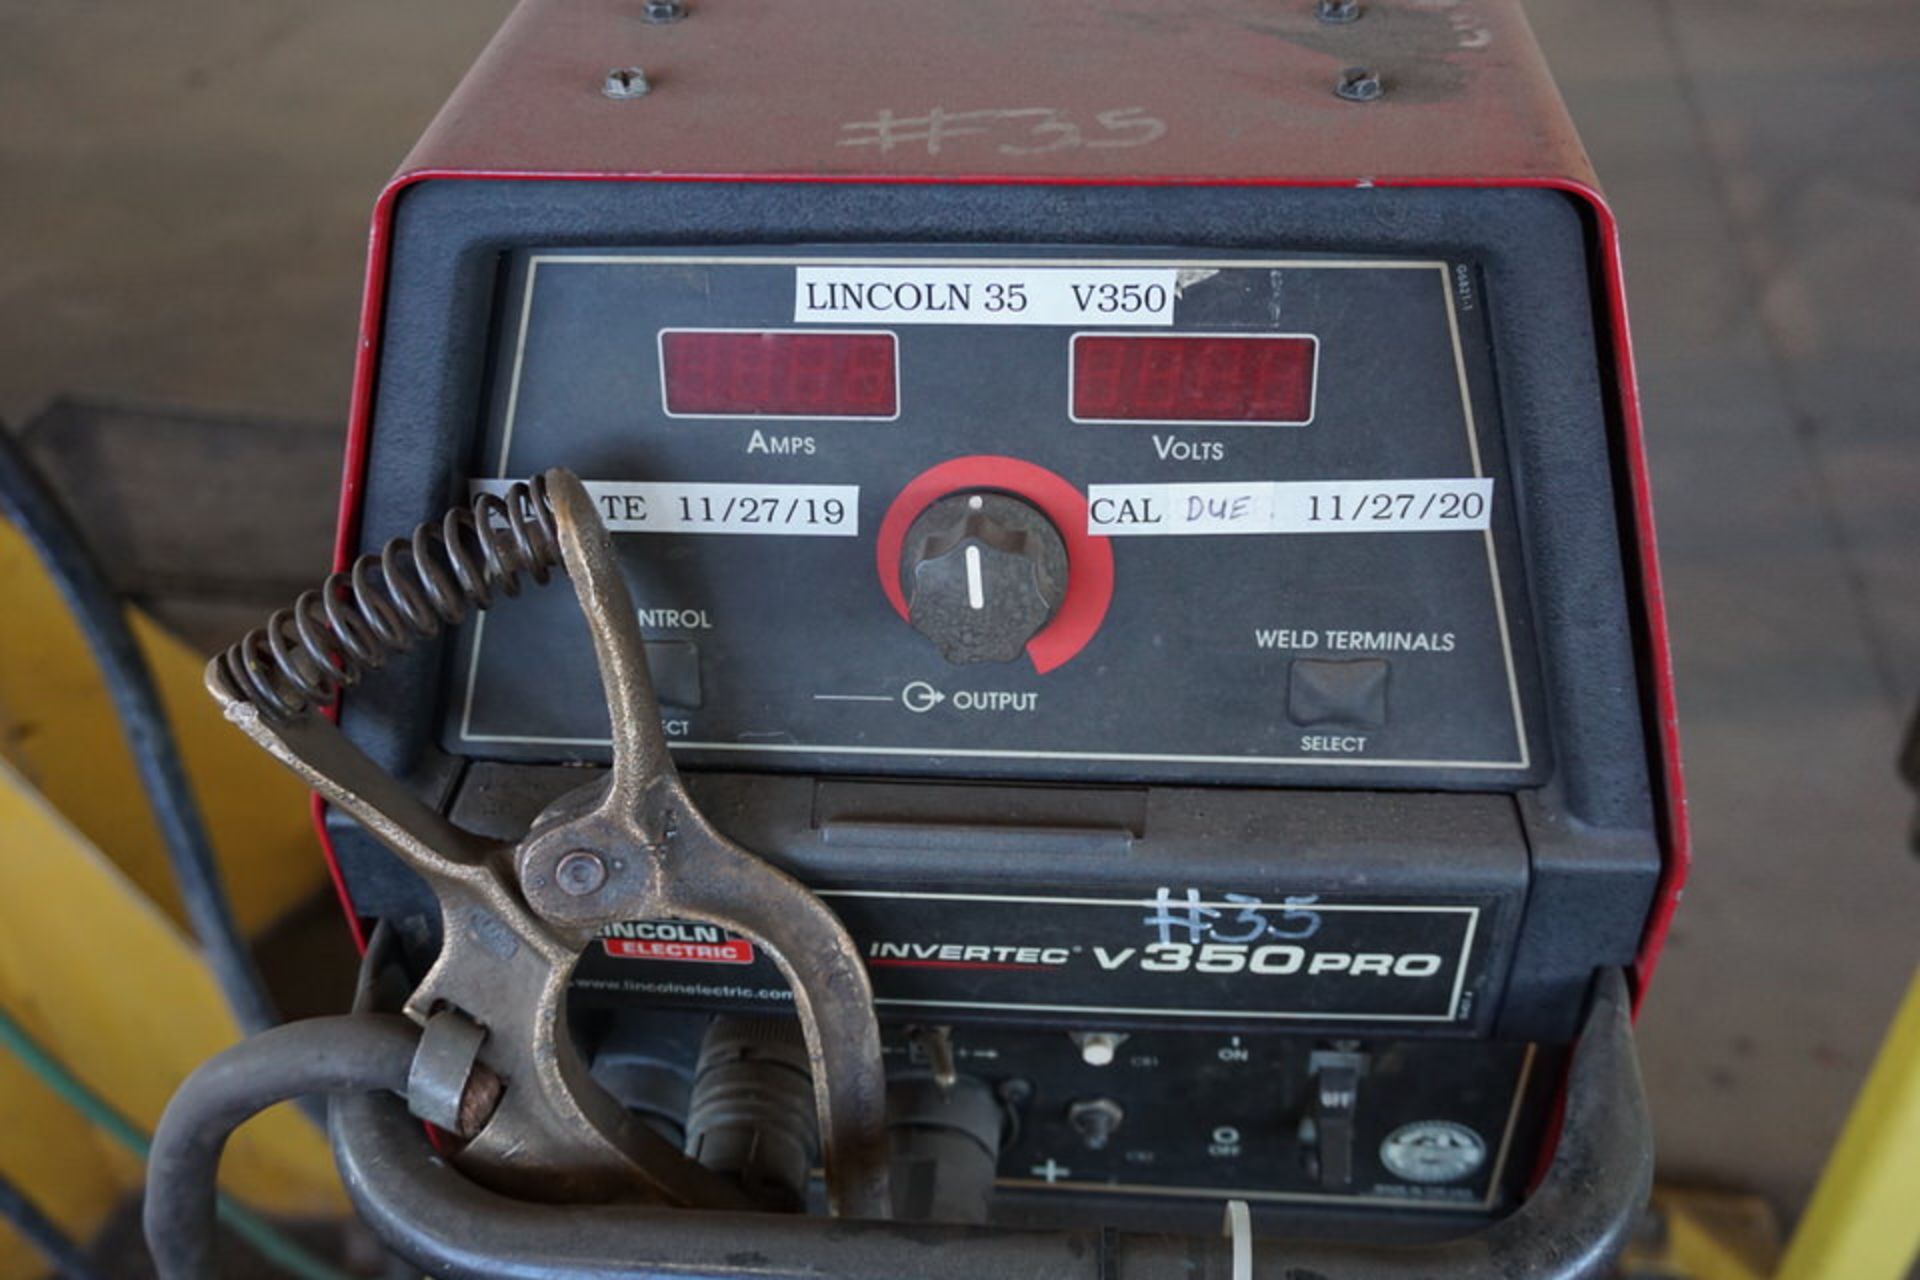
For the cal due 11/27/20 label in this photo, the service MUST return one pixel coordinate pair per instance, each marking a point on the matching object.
(1177, 954)
(1290, 506)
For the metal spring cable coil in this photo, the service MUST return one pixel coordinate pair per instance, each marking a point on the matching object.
(386, 602)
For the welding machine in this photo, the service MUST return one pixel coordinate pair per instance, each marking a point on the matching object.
(1130, 522)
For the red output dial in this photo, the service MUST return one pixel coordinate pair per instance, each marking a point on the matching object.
(1089, 570)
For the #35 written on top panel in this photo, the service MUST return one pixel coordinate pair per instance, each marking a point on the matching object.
(1120, 517)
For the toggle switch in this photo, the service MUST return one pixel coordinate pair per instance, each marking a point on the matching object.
(1335, 1074)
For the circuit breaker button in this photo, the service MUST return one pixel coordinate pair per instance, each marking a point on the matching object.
(675, 665)
(1350, 691)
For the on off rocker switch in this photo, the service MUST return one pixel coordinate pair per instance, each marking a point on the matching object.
(982, 573)
(1335, 1074)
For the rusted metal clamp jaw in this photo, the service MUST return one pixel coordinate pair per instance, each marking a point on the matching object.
(631, 845)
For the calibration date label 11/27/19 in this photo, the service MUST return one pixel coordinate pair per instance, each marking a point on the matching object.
(1134, 510)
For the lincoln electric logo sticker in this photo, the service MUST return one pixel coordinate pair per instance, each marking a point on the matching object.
(675, 940)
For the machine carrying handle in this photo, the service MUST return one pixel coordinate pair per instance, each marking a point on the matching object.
(1571, 1228)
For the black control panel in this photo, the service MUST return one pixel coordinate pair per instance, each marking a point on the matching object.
(1126, 516)
(1182, 633)
(1269, 1119)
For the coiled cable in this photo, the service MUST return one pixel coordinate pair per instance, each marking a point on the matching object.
(387, 601)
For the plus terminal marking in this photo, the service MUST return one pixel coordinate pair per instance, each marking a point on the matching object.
(1052, 1171)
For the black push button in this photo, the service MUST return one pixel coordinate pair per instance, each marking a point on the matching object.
(1351, 691)
(676, 672)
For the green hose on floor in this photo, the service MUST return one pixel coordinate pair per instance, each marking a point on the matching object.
(271, 1243)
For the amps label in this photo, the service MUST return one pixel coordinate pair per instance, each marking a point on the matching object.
(1173, 954)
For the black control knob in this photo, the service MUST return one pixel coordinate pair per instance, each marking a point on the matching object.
(982, 572)
(1096, 1120)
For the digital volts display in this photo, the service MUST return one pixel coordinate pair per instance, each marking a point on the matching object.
(763, 373)
(1263, 380)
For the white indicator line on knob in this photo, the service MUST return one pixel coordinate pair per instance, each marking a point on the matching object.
(976, 589)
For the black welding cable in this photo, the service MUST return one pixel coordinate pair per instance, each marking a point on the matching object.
(31, 504)
(44, 1234)
(352, 1053)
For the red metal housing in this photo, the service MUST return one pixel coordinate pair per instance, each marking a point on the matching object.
(1069, 92)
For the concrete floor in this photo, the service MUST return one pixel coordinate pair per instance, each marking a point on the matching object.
(187, 188)
(1764, 160)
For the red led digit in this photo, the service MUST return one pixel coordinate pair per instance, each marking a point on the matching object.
(869, 379)
(1219, 374)
(1285, 382)
(697, 370)
(1200, 378)
(749, 376)
(1156, 391)
(1097, 378)
(809, 373)
(750, 373)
